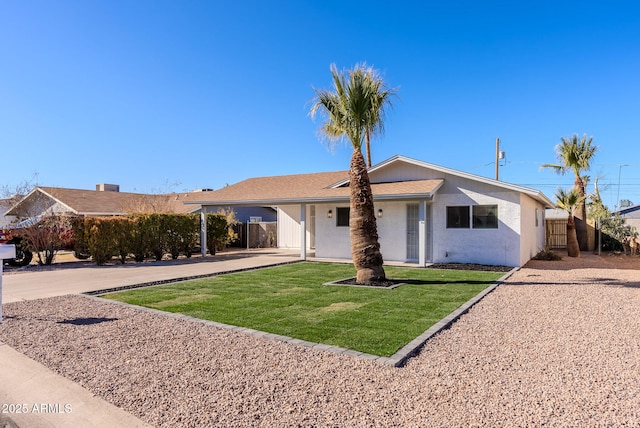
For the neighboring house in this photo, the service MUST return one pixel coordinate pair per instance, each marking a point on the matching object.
(106, 200)
(631, 216)
(5, 220)
(426, 213)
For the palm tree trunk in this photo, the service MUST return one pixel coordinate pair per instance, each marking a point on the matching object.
(573, 249)
(368, 147)
(581, 216)
(365, 248)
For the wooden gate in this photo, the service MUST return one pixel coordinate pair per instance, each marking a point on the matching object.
(556, 233)
(556, 229)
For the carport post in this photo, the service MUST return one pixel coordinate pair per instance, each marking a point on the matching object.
(303, 231)
(422, 233)
(6, 252)
(203, 231)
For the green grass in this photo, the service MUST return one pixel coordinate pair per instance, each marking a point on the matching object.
(290, 300)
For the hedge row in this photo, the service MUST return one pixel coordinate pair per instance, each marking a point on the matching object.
(146, 235)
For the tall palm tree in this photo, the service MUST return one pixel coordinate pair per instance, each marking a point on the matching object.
(354, 109)
(569, 201)
(575, 155)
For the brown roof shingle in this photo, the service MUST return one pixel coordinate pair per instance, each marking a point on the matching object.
(93, 202)
(315, 187)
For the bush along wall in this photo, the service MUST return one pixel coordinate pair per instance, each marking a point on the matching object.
(220, 233)
(147, 235)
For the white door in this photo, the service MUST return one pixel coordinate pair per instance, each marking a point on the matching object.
(312, 227)
(413, 236)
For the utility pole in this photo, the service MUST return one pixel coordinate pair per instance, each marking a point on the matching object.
(497, 151)
(499, 155)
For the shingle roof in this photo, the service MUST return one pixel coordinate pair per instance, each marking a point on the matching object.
(92, 202)
(316, 187)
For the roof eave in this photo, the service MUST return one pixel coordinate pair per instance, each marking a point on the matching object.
(310, 200)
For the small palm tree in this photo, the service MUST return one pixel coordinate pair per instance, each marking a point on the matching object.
(569, 201)
(354, 109)
(575, 155)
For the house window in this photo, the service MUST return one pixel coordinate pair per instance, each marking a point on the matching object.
(458, 217)
(537, 217)
(485, 216)
(342, 214)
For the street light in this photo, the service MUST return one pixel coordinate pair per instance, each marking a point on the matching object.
(618, 197)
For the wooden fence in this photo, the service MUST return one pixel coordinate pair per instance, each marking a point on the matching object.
(556, 229)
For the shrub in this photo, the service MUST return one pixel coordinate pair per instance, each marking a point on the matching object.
(547, 254)
(157, 230)
(123, 236)
(189, 225)
(220, 231)
(182, 233)
(140, 235)
(140, 246)
(100, 238)
(80, 238)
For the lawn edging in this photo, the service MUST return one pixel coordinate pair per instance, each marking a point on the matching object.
(183, 279)
(413, 348)
(398, 359)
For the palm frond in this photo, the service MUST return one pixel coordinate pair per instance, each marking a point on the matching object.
(569, 200)
(355, 107)
(560, 169)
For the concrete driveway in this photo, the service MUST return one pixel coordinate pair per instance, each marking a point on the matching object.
(75, 278)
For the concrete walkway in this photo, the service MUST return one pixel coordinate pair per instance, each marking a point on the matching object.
(35, 396)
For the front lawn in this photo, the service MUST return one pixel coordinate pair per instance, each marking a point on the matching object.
(290, 300)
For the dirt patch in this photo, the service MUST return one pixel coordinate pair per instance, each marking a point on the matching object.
(341, 306)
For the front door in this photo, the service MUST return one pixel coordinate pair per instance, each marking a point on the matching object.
(413, 236)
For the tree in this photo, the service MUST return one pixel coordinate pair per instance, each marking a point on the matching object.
(355, 109)
(613, 228)
(575, 155)
(47, 234)
(569, 201)
(380, 99)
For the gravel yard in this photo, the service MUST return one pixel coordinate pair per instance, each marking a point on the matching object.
(557, 345)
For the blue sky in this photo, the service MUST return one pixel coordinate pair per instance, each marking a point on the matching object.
(177, 95)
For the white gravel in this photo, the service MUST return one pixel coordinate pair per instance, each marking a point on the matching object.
(557, 345)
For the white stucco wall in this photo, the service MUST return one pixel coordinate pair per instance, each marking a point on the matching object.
(635, 222)
(632, 219)
(533, 235)
(499, 246)
(392, 230)
(289, 226)
(331, 241)
(334, 242)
